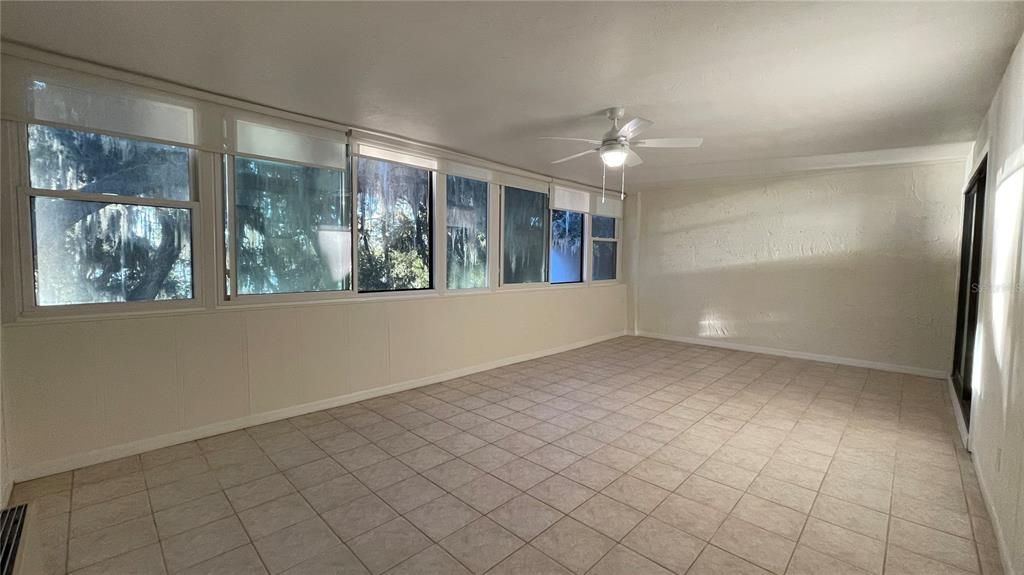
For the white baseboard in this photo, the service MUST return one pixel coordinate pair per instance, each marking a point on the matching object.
(59, 465)
(961, 425)
(910, 370)
(1004, 553)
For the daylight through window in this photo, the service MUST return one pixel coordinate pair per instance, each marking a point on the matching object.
(566, 247)
(394, 220)
(129, 237)
(605, 250)
(467, 232)
(524, 236)
(293, 228)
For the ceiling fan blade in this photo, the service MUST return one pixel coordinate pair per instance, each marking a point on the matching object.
(574, 156)
(594, 142)
(633, 159)
(669, 143)
(634, 127)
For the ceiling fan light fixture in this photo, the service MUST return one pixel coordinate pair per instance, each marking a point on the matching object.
(614, 155)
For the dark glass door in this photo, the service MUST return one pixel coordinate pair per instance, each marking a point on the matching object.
(969, 288)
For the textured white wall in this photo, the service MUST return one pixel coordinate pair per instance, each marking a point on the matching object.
(87, 391)
(858, 264)
(997, 424)
(5, 477)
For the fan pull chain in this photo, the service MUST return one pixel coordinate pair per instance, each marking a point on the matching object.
(623, 188)
(604, 172)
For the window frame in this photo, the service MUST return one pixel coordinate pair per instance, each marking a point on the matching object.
(617, 240)
(435, 263)
(441, 241)
(212, 213)
(584, 244)
(16, 134)
(229, 253)
(546, 281)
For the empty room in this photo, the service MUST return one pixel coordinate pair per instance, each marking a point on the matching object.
(511, 288)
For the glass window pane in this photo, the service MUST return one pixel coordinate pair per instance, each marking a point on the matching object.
(602, 227)
(93, 252)
(293, 228)
(61, 159)
(524, 236)
(394, 226)
(467, 233)
(566, 247)
(605, 254)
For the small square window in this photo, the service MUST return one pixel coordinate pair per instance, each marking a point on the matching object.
(602, 227)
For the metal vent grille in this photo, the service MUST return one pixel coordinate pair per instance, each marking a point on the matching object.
(11, 522)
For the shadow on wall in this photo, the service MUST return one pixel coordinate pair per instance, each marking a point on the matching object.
(863, 306)
(859, 264)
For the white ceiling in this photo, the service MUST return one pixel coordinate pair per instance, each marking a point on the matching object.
(756, 80)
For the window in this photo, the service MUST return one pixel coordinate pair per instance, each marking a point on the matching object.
(602, 227)
(293, 228)
(394, 222)
(566, 247)
(467, 232)
(111, 218)
(62, 159)
(524, 236)
(606, 247)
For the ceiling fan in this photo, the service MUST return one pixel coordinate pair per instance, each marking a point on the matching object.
(616, 146)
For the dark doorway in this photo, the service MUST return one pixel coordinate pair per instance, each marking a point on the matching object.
(969, 288)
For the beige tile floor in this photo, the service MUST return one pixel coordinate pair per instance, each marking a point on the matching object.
(634, 456)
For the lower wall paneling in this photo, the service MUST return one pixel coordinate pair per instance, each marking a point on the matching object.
(81, 392)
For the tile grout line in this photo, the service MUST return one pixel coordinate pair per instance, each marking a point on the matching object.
(624, 387)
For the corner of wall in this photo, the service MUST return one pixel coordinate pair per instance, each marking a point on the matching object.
(631, 253)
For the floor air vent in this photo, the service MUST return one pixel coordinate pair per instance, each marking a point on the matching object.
(11, 522)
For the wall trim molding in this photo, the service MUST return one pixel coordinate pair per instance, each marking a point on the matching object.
(775, 168)
(907, 369)
(62, 464)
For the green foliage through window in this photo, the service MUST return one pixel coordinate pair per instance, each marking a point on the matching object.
(102, 251)
(92, 252)
(62, 159)
(293, 228)
(394, 222)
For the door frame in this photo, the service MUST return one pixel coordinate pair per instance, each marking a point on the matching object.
(961, 382)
